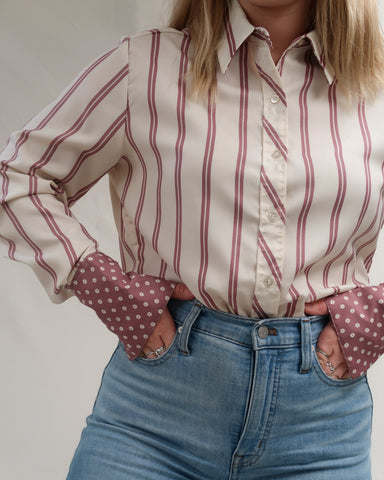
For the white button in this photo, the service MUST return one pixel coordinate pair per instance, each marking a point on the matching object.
(276, 154)
(275, 99)
(268, 282)
(272, 216)
(180, 329)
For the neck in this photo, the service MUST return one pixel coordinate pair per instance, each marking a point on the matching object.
(283, 23)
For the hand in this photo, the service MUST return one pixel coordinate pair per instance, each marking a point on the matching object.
(165, 330)
(328, 349)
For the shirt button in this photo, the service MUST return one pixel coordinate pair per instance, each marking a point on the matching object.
(272, 217)
(268, 282)
(275, 99)
(262, 331)
(276, 154)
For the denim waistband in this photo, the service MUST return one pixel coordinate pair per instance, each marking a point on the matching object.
(257, 333)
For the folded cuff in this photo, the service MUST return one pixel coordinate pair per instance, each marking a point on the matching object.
(358, 317)
(129, 304)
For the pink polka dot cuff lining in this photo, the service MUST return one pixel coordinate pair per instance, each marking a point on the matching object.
(358, 316)
(129, 304)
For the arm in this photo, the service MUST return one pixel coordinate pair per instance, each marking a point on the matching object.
(46, 168)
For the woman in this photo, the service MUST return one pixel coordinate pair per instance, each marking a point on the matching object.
(240, 144)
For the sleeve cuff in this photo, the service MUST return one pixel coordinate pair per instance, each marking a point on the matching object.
(358, 317)
(129, 304)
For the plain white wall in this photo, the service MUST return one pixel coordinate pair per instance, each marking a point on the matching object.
(52, 356)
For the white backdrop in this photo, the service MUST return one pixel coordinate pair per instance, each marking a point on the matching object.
(52, 356)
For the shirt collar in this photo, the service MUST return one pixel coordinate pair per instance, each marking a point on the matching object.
(238, 29)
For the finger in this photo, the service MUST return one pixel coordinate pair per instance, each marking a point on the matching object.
(182, 292)
(318, 307)
(162, 336)
(340, 372)
(167, 328)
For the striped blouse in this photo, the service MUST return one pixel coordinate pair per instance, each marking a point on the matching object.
(261, 199)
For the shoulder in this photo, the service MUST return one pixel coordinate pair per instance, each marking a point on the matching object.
(169, 40)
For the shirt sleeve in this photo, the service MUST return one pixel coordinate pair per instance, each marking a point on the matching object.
(128, 304)
(48, 165)
(358, 317)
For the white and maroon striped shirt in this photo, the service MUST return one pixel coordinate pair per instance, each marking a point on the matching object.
(268, 197)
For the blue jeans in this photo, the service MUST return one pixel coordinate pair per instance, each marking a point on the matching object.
(233, 398)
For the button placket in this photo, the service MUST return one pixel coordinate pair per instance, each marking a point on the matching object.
(272, 194)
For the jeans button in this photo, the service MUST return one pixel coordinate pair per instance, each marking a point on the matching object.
(262, 331)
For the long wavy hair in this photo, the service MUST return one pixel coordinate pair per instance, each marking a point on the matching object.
(349, 32)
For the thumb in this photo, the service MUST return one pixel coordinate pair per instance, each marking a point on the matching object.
(182, 292)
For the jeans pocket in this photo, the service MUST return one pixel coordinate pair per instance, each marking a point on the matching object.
(166, 355)
(337, 382)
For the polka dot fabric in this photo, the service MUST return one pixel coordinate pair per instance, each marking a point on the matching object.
(358, 316)
(129, 304)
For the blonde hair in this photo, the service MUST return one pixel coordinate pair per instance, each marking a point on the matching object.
(348, 30)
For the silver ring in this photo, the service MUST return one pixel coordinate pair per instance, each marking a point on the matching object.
(331, 367)
(158, 352)
(322, 353)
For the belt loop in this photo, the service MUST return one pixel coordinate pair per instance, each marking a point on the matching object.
(306, 346)
(185, 329)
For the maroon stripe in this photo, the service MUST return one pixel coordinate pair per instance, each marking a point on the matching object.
(342, 183)
(257, 308)
(97, 147)
(139, 209)
(239, 179)
(11, 249)
(37, 251)
(274, 136)
(273, 196)
(275, 87)
(291, 307)
(308, 164)
(95, 101)
(368, 261)
(280, 66)
(123, 244)
(56, 108)
(84, 230)
(181, 98)
(153, 130)
(163, 269)
(80, 193)
(368, 184)
(56, 231)
(270, 259)
(230, 37)
(262, 36)
(206, 203)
